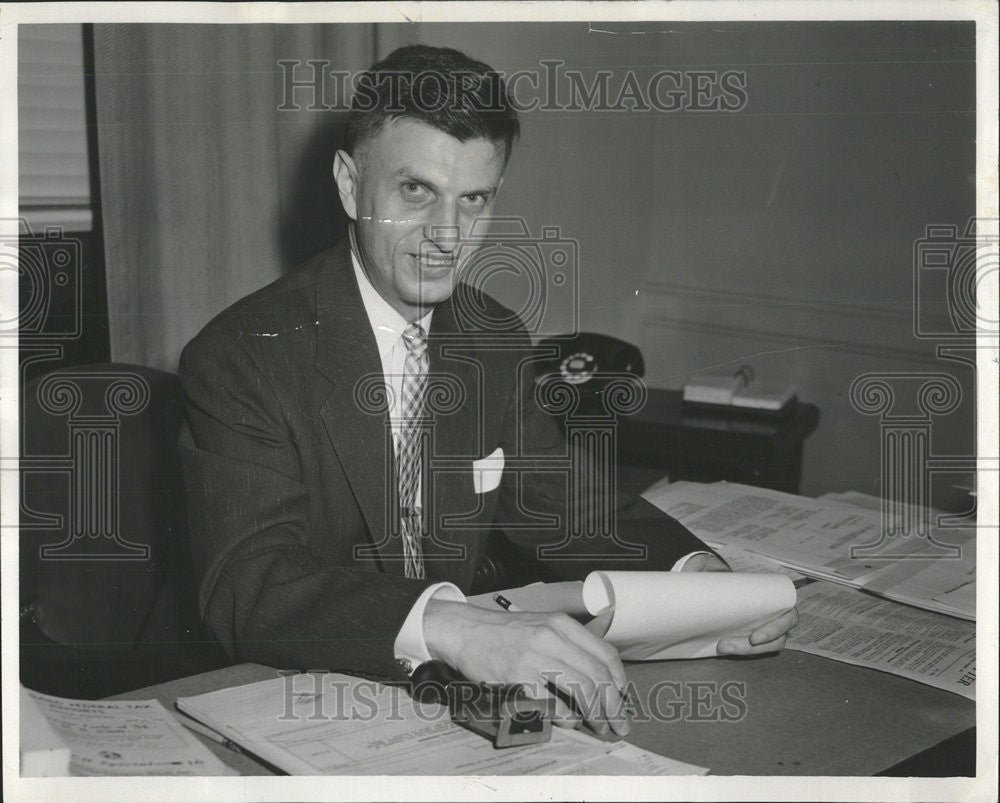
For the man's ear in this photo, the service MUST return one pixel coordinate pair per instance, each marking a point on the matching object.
(345, 173)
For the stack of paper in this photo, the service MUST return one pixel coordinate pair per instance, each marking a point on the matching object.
(830, 540)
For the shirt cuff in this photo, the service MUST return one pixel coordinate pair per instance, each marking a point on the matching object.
(410, 647)
(679, 566)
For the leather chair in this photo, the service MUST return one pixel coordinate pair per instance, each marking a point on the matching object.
(107, 590)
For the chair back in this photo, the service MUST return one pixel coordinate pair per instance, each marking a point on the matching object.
(103, 541)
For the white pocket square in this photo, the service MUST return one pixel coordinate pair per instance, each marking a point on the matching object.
(486, 472)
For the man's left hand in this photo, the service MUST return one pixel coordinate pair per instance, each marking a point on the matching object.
(769, 637)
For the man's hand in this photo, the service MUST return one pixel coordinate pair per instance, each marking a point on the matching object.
(543, 651)
(769, 637)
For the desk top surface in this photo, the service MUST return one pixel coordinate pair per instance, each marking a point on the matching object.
(785, 714)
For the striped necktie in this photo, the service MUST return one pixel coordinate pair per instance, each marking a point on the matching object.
(409, 447)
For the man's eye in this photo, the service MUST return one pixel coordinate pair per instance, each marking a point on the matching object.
(476, 199)
(414, 190)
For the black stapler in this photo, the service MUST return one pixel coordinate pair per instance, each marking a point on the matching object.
(503, 714)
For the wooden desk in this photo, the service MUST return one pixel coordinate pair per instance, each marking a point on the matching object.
(703, 446)
(784, 714)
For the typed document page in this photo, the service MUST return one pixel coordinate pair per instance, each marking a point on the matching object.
(334, 724)
(857, 628)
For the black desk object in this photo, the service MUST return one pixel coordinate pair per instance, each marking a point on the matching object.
(664, 437)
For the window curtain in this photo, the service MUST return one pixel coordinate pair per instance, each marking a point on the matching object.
(209, 190)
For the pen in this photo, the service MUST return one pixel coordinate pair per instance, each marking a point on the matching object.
(208, 733)
(628, 697)
(505, 603)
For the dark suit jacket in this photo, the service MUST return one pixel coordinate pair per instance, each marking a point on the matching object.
(290, 471)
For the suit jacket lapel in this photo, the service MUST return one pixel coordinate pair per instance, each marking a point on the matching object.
(355, 413)
(457, 440)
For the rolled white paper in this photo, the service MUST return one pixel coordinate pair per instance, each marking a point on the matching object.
(660, 615)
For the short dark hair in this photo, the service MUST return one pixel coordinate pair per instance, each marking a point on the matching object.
(438, 86)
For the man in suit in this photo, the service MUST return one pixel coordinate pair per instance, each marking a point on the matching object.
(356, 428)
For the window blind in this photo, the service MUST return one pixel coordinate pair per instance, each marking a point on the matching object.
(53, 169)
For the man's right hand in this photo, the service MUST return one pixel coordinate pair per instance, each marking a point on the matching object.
(541, 651)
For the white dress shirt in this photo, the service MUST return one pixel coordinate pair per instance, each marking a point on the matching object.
(388, 325)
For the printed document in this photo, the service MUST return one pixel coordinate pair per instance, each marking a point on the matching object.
(126, 737)
(857, 628)
(334, 724)
(830, 540)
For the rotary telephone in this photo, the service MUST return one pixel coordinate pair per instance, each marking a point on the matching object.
(588, 353)
(586, 360)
